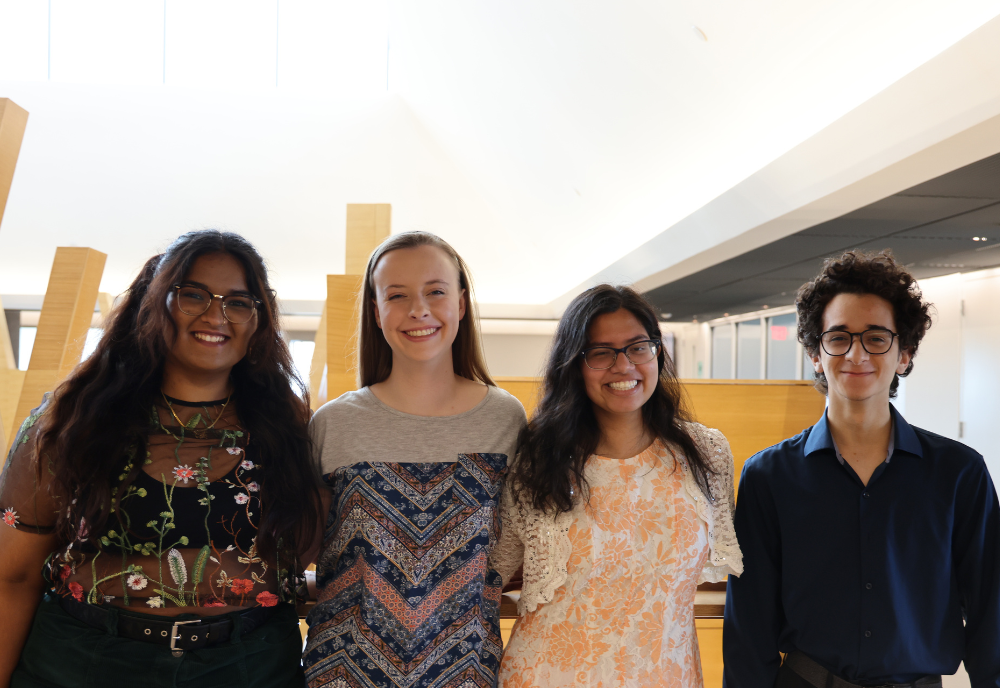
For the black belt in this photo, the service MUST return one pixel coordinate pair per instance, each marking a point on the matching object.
(818, 676)
(190, 634)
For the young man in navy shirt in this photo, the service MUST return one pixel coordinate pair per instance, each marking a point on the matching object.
(871, 548)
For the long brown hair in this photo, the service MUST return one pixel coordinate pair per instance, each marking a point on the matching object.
(374, 354)
(99, 416)
(553, 449)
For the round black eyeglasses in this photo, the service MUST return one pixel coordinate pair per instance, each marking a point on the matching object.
(604, 357)
(236, 308)
(875, 341)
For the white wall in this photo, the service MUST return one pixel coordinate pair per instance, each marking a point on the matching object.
(516, 355)
(954, 389)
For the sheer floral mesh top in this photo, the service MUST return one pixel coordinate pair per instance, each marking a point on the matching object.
(184, 531)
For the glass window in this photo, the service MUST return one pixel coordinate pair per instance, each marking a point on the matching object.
(90, 343)
(808, 372)
(781, 347)
(26, 340)
(748, 350)
(302, 355)
(722, 352)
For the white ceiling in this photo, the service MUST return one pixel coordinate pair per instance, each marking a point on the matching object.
(548, 141)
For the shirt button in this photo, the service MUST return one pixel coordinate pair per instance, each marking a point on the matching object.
(868, 634)
(868, 586)
(866, 495)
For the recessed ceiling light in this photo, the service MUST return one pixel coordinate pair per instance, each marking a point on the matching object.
(666, 316)
(975, 238)
(765, 306)
(725, 315)
(699, 33)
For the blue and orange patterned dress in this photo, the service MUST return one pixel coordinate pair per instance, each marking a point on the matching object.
(407, 596)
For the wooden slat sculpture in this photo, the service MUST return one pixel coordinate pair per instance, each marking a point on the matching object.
(66, 315)
(13, 121)
(332, 372)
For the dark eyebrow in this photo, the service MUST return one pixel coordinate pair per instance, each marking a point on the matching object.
(238, 292)
(637, 338)
(869, 326)
(403, 286)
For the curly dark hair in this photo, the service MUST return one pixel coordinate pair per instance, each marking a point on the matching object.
(563, 433)
(861, 272)
(118, 383)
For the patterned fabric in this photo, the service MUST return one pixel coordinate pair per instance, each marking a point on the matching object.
(407, 597)
(539, 541)
(625, 614)
(182, 531)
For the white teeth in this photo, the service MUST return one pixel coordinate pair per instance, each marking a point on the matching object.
(209, 337)
(623, 386)
(422, 333)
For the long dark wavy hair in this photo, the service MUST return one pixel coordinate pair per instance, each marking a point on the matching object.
(99, 416)
(563, 433)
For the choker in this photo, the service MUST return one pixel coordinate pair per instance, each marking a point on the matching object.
(194, 404)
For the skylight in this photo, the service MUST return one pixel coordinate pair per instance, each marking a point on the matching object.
(332, 48)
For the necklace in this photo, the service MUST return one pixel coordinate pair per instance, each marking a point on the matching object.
(181, 424)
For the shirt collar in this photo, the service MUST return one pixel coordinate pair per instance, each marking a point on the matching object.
(903, 437)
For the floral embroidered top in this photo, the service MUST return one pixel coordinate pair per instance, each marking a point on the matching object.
(183, 533)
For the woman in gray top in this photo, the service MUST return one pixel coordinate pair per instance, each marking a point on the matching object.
(416, 460)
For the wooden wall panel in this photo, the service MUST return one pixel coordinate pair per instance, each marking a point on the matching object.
(368, 225)
(524, 389)
(7, 361)
(13, 121)
(317, 369)
(710, 644)
(11, 382)
(341, 328)
(67, 311)
(754, 414)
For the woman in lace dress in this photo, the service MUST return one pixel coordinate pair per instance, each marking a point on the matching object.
(618, 506)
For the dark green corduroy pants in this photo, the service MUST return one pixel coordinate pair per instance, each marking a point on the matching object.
(62, 652)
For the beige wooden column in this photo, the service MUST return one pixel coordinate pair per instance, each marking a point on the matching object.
(11, 381)
(63, 323)
(334, 364)
(13, 120)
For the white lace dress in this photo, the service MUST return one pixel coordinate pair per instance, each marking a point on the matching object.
(610, 601)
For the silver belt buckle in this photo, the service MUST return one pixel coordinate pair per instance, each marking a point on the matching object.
(175, 636)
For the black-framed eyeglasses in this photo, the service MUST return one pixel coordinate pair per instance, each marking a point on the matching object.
(604, 357)
(236, 308)
(875, 341)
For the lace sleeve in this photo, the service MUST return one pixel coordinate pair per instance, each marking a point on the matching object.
(26, 502)
(726, 557)
(508, 554)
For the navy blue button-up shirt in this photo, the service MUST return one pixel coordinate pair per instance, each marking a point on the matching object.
(871, 582)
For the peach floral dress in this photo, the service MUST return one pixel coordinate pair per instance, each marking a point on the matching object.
(625, 614)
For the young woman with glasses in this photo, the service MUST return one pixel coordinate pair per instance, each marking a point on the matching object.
(164, 491)
(617, 507)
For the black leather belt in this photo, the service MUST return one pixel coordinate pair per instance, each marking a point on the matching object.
(189, 634)
(816, 675)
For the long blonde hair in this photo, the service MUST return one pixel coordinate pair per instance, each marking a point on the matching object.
(374, 354)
